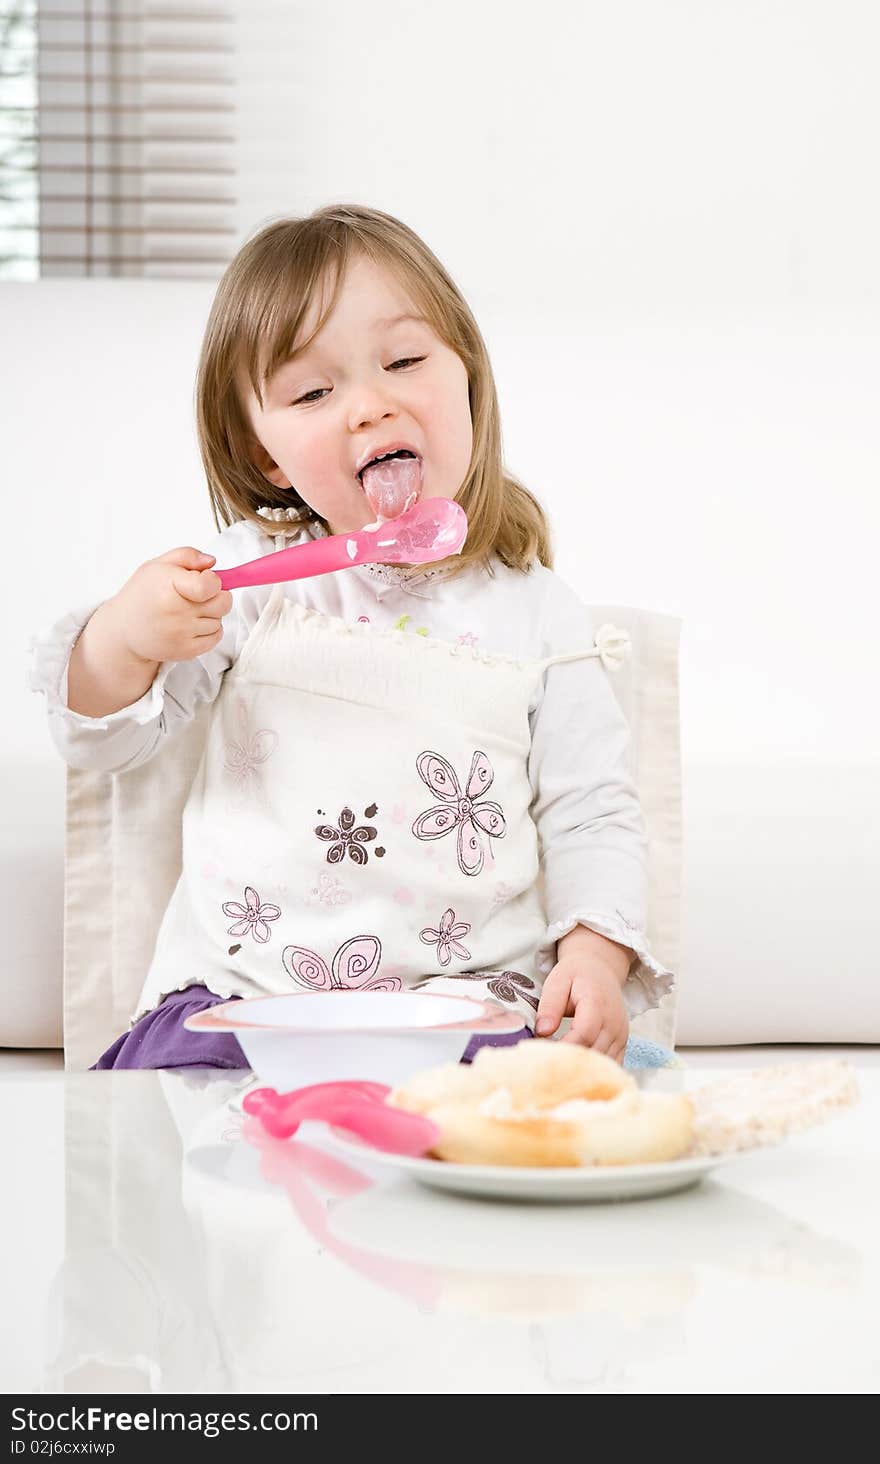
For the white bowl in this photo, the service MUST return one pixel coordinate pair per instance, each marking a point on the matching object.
(338, 1036)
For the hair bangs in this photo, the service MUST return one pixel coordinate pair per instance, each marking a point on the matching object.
(274, 312)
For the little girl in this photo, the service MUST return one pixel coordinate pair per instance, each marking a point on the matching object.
(396, 755)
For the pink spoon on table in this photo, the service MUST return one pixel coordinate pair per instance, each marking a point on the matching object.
(358, 1107)
(432, 529)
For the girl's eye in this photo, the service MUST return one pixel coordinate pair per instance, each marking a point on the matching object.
(404, 361)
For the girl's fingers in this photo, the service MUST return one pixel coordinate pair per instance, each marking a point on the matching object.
(197, 585)
(187, 557)
(553, 1004)
(586, 1028)
(599, 1040)
(218, 605)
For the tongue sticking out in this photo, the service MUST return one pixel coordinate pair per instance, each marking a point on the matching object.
(392, 487)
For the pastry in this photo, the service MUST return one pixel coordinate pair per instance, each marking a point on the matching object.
(546, 1104)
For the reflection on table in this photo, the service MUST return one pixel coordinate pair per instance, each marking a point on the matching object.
(203, 1256)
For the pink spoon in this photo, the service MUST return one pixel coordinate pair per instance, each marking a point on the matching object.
(358, 1107)
(432, 529)
(282, 1113)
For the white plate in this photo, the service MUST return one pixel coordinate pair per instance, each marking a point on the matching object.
(504, 1182)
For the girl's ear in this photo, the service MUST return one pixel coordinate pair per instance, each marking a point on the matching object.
(267, 465)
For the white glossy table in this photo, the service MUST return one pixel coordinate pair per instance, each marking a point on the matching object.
(146, 1252)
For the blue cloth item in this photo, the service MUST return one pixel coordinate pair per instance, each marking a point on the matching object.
(641, 1053)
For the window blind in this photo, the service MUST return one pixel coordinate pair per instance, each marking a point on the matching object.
(18, 178)
(133, 138)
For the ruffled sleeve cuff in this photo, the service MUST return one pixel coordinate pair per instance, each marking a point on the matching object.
(648, 980)
(49, 651)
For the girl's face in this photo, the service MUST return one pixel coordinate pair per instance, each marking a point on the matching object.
(366, 383)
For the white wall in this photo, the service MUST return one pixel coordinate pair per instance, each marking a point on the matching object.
(649, 157)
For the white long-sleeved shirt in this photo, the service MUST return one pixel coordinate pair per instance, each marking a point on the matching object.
(592, 834)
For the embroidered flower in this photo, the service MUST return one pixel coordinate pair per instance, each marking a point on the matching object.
(354, 967)
(245, 754)
(508, 986)
(446, 938)
(503, 893)
(468, 639)
(328, 891)
(346, 837)
(512, 984)
(252, 918)
(404, 620)
(614, 646)
(460, 810)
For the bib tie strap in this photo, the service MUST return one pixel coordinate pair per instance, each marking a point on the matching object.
(612, 645)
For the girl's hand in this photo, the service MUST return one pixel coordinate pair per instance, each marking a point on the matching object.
(172, 607)
(590, 993)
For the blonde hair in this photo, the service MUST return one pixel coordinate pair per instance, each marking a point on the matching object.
(254, 323)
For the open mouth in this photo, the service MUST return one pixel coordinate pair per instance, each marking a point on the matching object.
(400, 453)
(392, 482)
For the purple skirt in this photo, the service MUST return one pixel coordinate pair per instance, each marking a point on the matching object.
(160, 1040)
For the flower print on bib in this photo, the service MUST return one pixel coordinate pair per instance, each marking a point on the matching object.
(252, 918)
(509, 986)
(346, 839)
(246, 751)
(355, 967)
(462, 809)
(447, 939)
(395, 804)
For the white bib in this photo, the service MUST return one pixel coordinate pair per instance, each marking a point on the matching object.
(360, 818)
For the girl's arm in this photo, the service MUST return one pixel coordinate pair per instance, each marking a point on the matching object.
(115, 741)
(103, 676)
(171, 609)
(86, 679)
(587, 943)
(592, 832)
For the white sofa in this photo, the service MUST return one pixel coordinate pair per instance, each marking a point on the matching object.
(779, 917)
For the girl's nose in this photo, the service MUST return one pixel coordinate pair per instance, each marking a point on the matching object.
(370, 404)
